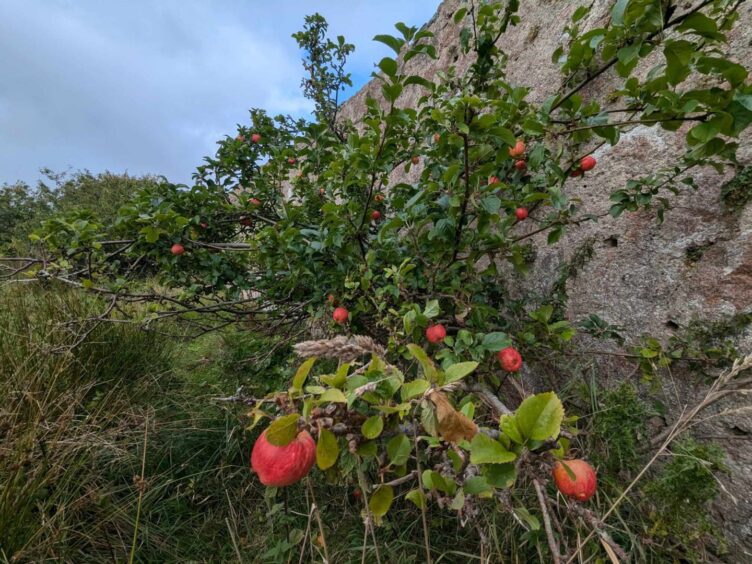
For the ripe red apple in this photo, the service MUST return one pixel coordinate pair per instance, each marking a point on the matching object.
(493, 180)
(587, 163)
(356, 493)
(416, 159)
(520, 164)
(510, 359)
(331, 299)
(436, 137)
(246, 221)
(291, 161)
(256, 137)
(254, 202)
(282, 466)
(203, 225)
(435, 333)
(518, 150)
(584, 484)
(521, 214)
(375, 215)
(177, 249)
(322, 191)
(341, 315)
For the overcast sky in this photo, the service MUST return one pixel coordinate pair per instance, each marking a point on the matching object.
(151, 85)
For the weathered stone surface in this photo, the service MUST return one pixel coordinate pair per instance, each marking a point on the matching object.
(647, 277)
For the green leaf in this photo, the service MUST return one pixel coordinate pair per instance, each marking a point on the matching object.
(372, 427)
(398, 449)
(428, 418)
(678, 55)
(494, 342)
(282, 431)
(426, 363)
(302, 373)
(390, 41)
(459, 371)
(432, 309)
(327, 449)
(458, 502)
(333, 395)
(617, 12)
(508, 425)
(476, 485)
(388, 66)
(381, 501)
(539, 417)
(485, 450)
(414, 388)
(417, 497)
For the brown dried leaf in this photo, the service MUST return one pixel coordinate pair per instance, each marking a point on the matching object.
(453, 426)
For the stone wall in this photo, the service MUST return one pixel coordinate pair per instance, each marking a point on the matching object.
(647, 277)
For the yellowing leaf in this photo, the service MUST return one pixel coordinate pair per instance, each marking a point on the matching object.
(282, 431)
(539, 417)
(417, 497)
(327, 449)
(452, 425)
(333, 395)
(381, 500)
(485, 450)
(372, 427)
(300, 376)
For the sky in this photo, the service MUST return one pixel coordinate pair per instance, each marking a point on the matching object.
(150, 86)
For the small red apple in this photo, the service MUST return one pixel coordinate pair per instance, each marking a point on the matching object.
(256, 137)
(375, 215)
(246, 221)
(518, 150)
(576, 172)
(240, 138)
(521, 213)
(587, 163)
(520, 164)
(282, 466)
(341, 315)
(331, 299)
(493, 180)
(291, 161)
(203, 225)
(435, 333)
(322, 191)
(356, 493)
(436, 137)
(254, 202)
(416, 159)
(584, 484)
(177, 249)
(510, 359)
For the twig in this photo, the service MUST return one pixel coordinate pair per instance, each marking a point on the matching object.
(315, 506)
(552, 544)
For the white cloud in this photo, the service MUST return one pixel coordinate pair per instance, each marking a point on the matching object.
(150, 86)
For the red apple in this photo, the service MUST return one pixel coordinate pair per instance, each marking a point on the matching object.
(322, 191)
(582, 487)
(256, 137)
(254, 202)
(203, 225)
(518, 150)
(493, 180)
(331, 299)
(341, 315)
(246, 221)
(587, 163)
(416, 159)
(510, 359)
(435, 333)
(520, 164)
(291, 161)
(177, 249)
(576, 172)
(436, 137)
(240, 138)
(375, 215)
(521, 214)
(282, 466)
(356, 493)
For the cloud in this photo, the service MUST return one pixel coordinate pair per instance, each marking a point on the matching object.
(150, 86)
